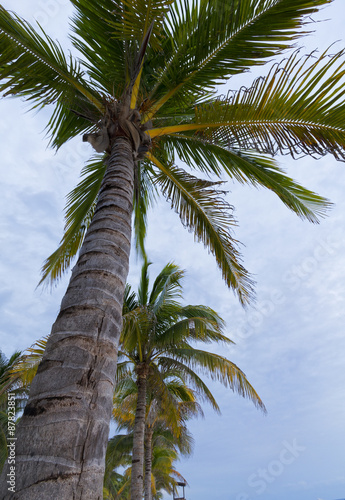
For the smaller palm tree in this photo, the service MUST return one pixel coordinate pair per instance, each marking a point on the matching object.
(118, 456)
(165, 426)
(159, 335)
(9, 383)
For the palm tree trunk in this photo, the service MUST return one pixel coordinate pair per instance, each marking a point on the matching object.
(137, 480)
(62, 436)
(148, 464)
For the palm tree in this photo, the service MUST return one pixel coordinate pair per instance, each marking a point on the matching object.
(16, 375)
(117, 485)
(164, 454)
(157, 342)
(9, 385)
(165, 424)
(143, 92)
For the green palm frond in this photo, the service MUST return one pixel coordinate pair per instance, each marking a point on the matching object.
(104, 54)
(166, 399)
(144, 197)
(135, 330)
(80, 206)
(298, 109)
(250, 168)
(26, 365)
(167, 289)
(119, 450)
(124, 373)
(143, 288)
(7, 380)
(202, 209)
(210, 41)
(219, 369)
(130, 300)
(34, 66)
(195, 328)
(191, 377)
(134, 17)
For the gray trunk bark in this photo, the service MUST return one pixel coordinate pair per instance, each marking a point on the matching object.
(62, 436)
(148, 464)
(137, 479)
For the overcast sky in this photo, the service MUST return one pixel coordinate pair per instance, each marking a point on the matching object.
(291, 347)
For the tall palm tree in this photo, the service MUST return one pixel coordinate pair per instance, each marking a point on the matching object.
(157, 342)
(142, 90)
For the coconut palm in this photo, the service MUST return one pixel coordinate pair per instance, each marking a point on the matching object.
(165, 424)
(142, 90)
(157, 342)
(12, 386)
(117, 485)
(164, 475)
(16, 375)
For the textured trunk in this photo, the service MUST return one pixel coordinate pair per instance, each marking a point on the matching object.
(62, 436)
(148, 464)
(137, 480)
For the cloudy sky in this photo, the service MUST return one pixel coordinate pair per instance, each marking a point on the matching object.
(291, 346)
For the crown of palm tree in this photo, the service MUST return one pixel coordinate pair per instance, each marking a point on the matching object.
(161, 333)
(151, 71)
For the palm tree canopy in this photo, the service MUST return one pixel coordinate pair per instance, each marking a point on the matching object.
(161, 333)
(151, 69)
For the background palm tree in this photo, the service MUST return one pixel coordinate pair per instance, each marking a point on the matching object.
(149, 90)
(159, 339)
(165, 424)
(9, 384)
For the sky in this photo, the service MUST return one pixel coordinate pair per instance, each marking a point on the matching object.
(291, 345)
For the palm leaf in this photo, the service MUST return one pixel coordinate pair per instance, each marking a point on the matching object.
(249, 168)
(190, 376)
(167, 286)
(166, 291)
(211, 41)
(203, 210)
(129, 300)
(143, 288)
(136, 17)
(144, 197)
(298, 109)
(195, 328)
(34, 66)
(80, 206)
(219, 369)
(104, 54)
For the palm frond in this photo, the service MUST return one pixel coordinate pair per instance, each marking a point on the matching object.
(210, 41)
(80, 206)
(195, 328)
(135, 330)
(26, 365)
(143, 289)
(249, 168)
(136, 17)
(104, 53)
(166, 288)
(130, 300)
(191, 377)
(144, 197)
(219, 369)
(204, 211)
(34, 66)
(298, 109)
